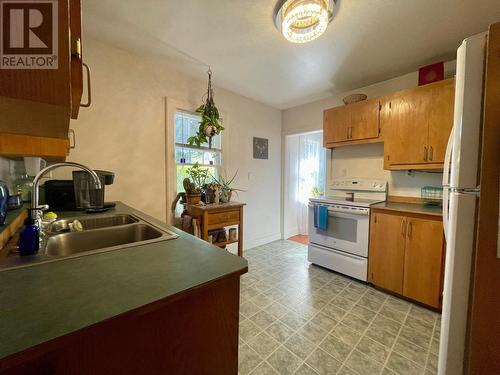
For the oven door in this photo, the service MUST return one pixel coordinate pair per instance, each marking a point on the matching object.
(346, 232)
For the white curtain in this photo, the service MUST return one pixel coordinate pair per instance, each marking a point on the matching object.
(307, 164)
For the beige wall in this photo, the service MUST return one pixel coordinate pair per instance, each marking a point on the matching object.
(124, 131)
(363, 161)
(5, 170)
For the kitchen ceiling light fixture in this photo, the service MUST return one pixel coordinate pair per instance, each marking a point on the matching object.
(302, 21)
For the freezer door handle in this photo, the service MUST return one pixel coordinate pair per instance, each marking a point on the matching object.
(446, 200)
(447, 159)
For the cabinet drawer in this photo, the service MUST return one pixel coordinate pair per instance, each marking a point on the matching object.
(221, 218)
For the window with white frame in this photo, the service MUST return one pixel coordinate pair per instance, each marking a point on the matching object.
(186, 124)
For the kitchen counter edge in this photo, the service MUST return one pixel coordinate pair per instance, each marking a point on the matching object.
(73, 294)
(412, 208)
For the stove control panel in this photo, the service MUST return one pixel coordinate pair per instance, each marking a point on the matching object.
(359, 185)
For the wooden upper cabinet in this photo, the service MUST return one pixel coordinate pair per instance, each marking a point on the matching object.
(404, 124)
(417, 125)
(335, 125)
(441, 120)
(423, 261)
(75, 19)
(19, 145)
(365, 120)
(386, 258)
(352, 124)
(40, 102)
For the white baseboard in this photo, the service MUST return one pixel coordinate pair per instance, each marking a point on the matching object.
(253, 242)
(290, 232)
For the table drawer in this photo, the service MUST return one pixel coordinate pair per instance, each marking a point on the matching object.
(223, 217)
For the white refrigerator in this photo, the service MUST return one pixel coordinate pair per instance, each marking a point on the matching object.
(460, 197)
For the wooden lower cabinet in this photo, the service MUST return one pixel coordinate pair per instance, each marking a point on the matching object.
(387, 252)
(406, 255)
(423, 261)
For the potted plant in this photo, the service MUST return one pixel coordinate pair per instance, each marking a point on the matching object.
(194, 184)
(211, 122)
(226, 190)
(209, 193)
(316, 192)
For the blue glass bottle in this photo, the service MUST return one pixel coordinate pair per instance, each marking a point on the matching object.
(29, 238)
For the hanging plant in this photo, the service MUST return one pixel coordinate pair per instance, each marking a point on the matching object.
(211, 123)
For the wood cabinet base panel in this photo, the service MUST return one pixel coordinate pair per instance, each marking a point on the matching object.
(16, 145)
(194, 332)
(353, 143)
(392, 293)
(408, 167)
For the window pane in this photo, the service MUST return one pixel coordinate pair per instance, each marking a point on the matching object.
(182, 174)
(187, 125)
(192, 156)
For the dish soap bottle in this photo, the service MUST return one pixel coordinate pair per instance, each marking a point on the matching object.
(29, 237)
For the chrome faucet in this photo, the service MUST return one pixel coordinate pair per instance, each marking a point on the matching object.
(36, 209)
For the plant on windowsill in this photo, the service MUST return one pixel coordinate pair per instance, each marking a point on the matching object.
(194, 184)
(211, 123)
(316, 192)
(226, 190)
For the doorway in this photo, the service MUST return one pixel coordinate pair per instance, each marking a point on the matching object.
(305, 176)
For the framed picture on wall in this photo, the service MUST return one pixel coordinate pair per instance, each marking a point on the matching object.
(260, 148)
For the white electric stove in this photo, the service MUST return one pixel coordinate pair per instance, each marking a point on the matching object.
(343, 246)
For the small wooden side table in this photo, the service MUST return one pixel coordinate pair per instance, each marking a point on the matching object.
(215, 216)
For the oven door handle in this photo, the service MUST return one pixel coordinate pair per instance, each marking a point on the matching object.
(346, 215)
(350, 213)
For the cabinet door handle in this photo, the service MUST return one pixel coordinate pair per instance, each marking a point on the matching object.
(410, 228)
(350, 132)
(403, 227)
(431, 153)
(72, 136)
(89, 88)
(426, 153)
(76, 48)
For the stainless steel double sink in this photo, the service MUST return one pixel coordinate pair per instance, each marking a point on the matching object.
(101, 233)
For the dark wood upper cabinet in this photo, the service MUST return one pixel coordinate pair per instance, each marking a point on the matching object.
(75, 24)
(39, 103)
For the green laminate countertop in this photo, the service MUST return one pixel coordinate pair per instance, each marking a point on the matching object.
(412, 208)
(50, 300)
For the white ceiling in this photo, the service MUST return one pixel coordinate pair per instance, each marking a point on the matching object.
(368, 41)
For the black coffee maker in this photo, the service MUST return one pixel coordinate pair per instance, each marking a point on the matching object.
(79, 193)
(87, 197)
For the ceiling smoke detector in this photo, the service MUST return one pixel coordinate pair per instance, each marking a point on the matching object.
(302, 21)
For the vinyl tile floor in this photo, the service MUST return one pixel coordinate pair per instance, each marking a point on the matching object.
(298, 318)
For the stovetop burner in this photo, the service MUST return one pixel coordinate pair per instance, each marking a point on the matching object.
(361, 202)
(354, 192)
